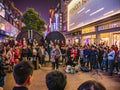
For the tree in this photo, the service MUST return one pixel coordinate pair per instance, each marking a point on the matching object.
(32, 20)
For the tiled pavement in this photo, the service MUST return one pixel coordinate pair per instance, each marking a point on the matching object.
(73, 80)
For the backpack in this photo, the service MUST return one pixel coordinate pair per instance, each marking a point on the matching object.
(85, 69)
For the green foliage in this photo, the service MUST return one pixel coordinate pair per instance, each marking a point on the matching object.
(32, 20)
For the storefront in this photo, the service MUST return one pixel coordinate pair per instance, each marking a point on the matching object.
(87, 35)
(116, 39)
(111, 37)
(88, 39)
(105, 39)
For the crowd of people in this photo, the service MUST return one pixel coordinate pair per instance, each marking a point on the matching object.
(91, 56)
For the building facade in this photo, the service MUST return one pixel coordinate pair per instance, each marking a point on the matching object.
(97, 20)
(58, 16)
(10, 22)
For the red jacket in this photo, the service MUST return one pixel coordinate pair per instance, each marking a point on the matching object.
(74, 52)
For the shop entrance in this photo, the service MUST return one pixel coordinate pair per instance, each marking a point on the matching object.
(104, 39)
(116, 39)
(90, 39)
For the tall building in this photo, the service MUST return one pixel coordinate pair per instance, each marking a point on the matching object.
(64, 4)
(97, 20)
(58, 17)
(10, 22)
(55, 18)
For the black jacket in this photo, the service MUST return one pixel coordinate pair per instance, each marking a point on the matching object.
(3, 66)
(24, 52)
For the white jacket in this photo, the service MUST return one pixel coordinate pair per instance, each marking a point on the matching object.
(111, 55)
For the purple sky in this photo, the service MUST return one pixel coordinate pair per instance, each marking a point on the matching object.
(42, 6)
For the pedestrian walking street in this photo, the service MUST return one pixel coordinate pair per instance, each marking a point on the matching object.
(73, 80)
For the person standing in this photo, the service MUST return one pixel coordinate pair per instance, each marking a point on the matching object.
(24, 53)
(52, 57)
(93, 56)
(2, 68)
(63, 51)
(24, 42)
(16, 53)
(118, 62)
(104, 60)
(111, 57)
(81, 56)
(42, 55)
(100, 55)
(10, 58)
(29, 55)
(57, 56)
(46, 46)
(77, 54)
(85, 56)
(50, 48)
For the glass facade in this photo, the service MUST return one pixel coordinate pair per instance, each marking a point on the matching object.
(8, 28)
(9, 18)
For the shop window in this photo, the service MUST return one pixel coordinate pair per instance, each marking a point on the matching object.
(2, 12)
(116, 39)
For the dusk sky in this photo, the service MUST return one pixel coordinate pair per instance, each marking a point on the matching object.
(41, 6)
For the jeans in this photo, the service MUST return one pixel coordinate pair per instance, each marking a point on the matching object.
(104, 62)
(55, 65)
(93, 62)
(111, 63)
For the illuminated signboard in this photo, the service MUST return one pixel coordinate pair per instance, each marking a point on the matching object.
(56, 21)
(72, 7)
(88, 30)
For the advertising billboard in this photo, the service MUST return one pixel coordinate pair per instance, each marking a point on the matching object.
(80, 14)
